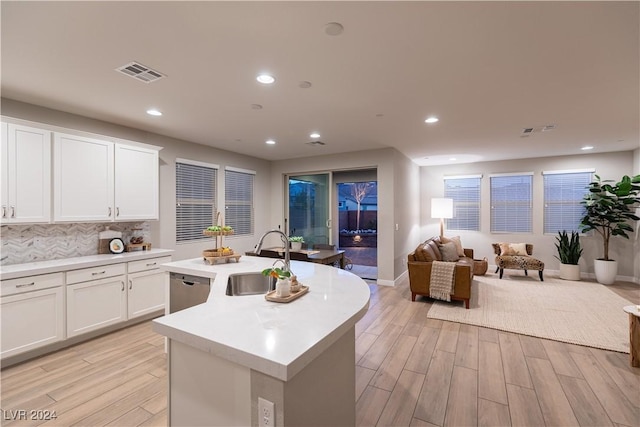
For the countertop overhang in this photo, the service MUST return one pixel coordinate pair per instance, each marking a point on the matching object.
(277, 339)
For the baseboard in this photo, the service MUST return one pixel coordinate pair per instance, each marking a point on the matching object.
(397, 280)
(583, 275)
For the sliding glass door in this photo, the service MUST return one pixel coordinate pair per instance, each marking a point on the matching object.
(308, 212)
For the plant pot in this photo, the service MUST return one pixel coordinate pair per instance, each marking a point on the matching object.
(296, 246)
(605, 271)
(569, 271)
(283, 288)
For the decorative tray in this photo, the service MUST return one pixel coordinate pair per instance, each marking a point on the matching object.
(222, 259)
(217, 233)
(211, 253)
(271, 296)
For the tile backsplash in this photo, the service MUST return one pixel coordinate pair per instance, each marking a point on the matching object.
(42, 242)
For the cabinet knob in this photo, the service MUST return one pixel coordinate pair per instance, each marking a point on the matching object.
(98, 272)
(4, 211)
(117, 211)
(122, 286)
(13, 211)
(109, 211)
(130, 284)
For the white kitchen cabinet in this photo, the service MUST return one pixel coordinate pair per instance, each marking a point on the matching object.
(95, 304)
(136, 183)
(31, 312)
(26, 174)
(98, 180)
(147, 286)
(83, 171)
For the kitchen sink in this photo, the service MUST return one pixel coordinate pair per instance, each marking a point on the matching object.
(249, 284)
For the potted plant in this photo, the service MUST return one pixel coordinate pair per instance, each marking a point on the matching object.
(569, 252)
(296, 242)
(283, 285)
(609, 207)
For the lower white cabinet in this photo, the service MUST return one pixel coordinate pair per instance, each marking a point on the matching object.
(31, 320)
(96, 304)
(146, 292)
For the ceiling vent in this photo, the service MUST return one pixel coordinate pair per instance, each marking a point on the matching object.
(316, 143)
(548, 128)
(140, 72)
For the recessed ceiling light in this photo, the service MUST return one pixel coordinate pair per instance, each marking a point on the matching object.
(154, 112)
(431, 119)
(266, 79)
(587, 147)
(453, 159)
(314, 135)
(270, 142)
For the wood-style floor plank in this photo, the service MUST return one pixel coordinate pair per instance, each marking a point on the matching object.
(410, 371)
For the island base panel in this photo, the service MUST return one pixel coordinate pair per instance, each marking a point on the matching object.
(322, 394)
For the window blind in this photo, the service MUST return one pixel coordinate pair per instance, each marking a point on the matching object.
(563, 192)
(511, 203)
(465, 192)
(238, 194)
(195, 200)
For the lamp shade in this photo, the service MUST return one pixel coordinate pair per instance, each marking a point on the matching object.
(441, 208)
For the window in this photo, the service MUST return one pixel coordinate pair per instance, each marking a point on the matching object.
(465, 192)
(238, 195)
(195, 199)
(511, 203)
(563, 192)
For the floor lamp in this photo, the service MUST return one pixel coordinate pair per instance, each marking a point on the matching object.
(441, 208)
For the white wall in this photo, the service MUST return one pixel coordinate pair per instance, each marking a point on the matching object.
(163, 231)
(608, 166)
(406, 211)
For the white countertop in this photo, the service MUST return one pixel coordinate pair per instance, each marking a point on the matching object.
(278, 339)
(57, 265)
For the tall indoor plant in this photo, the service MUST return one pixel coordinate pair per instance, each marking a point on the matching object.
(569, 252)
(610, 206)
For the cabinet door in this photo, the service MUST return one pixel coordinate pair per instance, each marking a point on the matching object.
(31, 320)
(146, 292)
(4, 171)
(96, 304)
(27, 189)
(136, 183)
(83, 179)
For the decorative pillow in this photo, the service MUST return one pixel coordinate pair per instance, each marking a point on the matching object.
(513, 249)
(420, 254)
(449, 252)
(456, 240)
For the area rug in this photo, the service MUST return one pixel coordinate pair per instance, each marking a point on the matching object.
(583, 313)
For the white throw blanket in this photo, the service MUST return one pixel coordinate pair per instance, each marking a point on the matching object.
(442, 279)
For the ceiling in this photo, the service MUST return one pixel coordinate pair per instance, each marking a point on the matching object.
(486, 69)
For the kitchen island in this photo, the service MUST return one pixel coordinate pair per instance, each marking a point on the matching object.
(230, 351)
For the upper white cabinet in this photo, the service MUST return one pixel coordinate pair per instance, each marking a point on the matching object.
(97, 180)
(83, 179)
(136, 183)
(26, 174)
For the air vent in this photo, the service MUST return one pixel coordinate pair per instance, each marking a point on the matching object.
(140, 72)
(316, 143)
(527, 131)
(548, 128)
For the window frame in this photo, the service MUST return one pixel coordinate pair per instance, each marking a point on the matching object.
(505, 204)
(195, 235)
(576, 202)
(460, 204)
(228, 217)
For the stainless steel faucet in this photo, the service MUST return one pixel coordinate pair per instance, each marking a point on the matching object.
(285, 240)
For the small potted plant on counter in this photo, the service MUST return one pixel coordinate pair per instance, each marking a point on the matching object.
(283, 285)
(569, 252)
(296, 242)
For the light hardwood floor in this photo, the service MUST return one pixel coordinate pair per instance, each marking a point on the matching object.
(410, 371)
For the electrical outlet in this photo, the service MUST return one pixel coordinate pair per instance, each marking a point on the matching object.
(266, 413)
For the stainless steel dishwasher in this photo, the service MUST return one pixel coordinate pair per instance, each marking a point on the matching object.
(186, 291)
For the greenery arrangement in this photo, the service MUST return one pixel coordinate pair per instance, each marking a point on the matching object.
(296, 239)
(276, 272)
(569, 249)
(609, 208)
